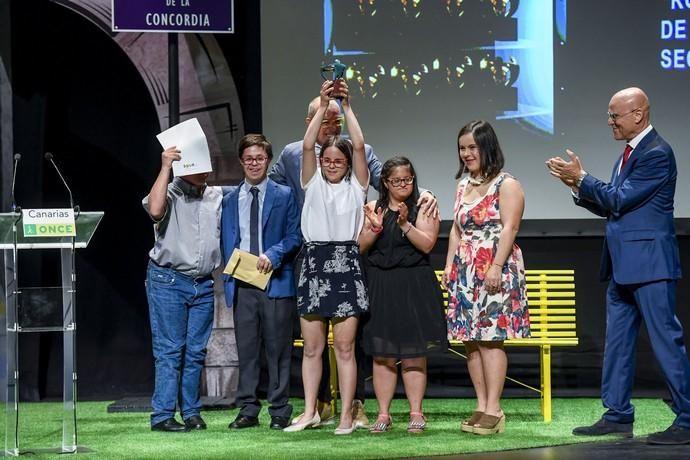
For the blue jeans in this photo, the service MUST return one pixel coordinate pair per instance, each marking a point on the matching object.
(181, 314)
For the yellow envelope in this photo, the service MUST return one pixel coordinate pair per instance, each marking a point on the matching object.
(242, 266)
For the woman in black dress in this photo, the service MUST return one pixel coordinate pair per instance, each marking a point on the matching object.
(406, 303)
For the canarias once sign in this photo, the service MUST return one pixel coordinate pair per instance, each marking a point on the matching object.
(48, 222)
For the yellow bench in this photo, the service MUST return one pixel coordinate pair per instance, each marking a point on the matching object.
(551, 300)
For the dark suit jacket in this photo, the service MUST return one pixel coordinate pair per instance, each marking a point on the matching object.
(281, 237)
(640, 244)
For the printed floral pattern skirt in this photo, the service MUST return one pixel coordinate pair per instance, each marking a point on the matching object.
(331, 282)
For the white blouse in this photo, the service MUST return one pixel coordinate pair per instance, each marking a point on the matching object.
(333, 212)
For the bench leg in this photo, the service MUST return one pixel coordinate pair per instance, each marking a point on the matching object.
(334, 377)
(545, 363)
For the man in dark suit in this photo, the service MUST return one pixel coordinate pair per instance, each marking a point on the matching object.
(641, 261)
(262, 217)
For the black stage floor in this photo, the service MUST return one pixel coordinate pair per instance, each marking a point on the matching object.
(628, 449)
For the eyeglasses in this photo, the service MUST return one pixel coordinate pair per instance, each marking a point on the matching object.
(338, 162)
(337, 122)
(251, 160)
(398, 181)
(615, 116)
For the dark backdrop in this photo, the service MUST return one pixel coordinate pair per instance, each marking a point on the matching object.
(77, 95)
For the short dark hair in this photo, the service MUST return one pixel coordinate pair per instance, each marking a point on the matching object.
(259, 140)
(490, 153)
(384, 194)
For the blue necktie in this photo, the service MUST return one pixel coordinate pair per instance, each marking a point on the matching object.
(254, 222)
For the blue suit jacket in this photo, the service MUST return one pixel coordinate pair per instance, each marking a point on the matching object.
(281, 237)
(640, 244)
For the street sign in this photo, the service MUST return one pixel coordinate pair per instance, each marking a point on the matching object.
(191, 16)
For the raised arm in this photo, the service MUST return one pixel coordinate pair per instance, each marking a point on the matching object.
(359, 162)
(158, 195)
(309, 143)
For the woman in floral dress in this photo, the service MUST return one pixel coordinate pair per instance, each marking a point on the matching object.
(484, 273)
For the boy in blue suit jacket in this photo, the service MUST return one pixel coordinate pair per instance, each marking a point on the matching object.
(262, 217)
(641, 261)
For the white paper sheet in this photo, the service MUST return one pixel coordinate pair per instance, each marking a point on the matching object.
(190, 140)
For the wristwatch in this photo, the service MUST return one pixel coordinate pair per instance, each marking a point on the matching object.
(581, 178)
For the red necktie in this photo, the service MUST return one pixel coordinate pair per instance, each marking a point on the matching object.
(626, 154)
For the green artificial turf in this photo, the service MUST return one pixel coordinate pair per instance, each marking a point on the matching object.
(127, 435)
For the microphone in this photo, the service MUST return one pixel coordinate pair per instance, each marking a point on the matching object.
(17, 157)
(49, 156)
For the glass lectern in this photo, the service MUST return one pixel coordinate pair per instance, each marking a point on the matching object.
(12, 240)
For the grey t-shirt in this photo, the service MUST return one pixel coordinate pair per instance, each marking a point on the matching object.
(188, 235)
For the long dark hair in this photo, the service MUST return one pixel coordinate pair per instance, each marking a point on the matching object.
(384, 196)
(345, 146)
(490, 153)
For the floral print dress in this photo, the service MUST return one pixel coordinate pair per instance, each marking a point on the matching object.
(473, 314)
(331, 282)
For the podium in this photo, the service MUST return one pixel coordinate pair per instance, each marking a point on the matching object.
(12, 241)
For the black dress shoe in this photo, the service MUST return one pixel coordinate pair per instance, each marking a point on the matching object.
(603, 427)
(278, 423)
(673, 436)
(170, 425)
(195, 422)
(244, 421)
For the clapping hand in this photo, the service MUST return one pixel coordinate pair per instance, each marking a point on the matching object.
(375, 218)
(402, 214)
(567, 171)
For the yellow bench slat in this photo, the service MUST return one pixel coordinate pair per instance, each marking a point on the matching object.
(536, 279)
(551, 319)
(560, 302)
(552, 334)
(551, 326)
(549, 272)
(551, 286)
(557, 294)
